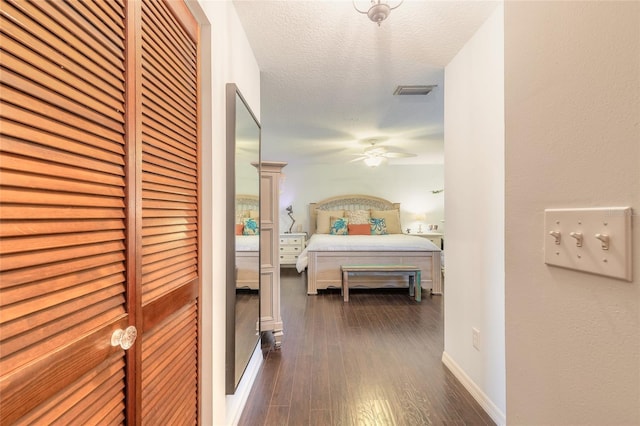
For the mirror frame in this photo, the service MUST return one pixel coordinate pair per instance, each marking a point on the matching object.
(232, 95)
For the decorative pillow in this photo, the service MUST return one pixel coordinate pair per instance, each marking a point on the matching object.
(357, 217)
(250, 227)
(239, 228)
(378, 226)
(339, 226)
(391, 218)
(240, 216)
(359, 229)
(323, 220)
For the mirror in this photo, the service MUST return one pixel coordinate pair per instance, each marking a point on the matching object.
(243, 244)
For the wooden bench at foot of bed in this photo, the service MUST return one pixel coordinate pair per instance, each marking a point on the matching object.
(324, 269)
(411, 271)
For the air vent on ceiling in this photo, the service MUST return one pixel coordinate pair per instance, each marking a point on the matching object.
(414, 90)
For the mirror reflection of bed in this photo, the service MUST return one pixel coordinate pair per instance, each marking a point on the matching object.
(247, 241)
(247, 208)
(247, 277)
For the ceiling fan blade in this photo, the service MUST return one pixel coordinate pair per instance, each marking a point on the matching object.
(362, 157)
(398, 155)
(375, 150)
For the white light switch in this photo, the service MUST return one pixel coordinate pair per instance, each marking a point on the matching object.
(594, 240)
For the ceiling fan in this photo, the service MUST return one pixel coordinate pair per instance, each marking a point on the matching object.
(374, 155)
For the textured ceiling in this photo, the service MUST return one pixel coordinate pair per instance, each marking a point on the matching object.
(328, 75)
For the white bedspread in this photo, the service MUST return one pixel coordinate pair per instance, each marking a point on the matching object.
(247, 243)
(391, 242)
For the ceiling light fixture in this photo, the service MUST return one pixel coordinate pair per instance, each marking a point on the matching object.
(379, 10)
(373, 161)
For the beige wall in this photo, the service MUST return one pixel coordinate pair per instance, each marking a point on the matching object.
(227, 58)
(572, 102)
(474, 202)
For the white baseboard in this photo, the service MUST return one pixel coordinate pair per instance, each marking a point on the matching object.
(487, 405)
(235, 403)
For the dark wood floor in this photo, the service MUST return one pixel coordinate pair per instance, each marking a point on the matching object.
(373, 361)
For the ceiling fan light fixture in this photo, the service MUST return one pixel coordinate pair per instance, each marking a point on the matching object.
(373, 161)
(414, 90)
(378, 11)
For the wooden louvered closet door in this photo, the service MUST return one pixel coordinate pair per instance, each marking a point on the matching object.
(169, 261)
(99, 217)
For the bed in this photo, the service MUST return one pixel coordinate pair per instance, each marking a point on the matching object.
(247, 246)
(326, 253)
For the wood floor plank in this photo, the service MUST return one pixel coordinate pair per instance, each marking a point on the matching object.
(373, 361)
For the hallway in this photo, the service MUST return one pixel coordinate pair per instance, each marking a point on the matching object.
(373, 361)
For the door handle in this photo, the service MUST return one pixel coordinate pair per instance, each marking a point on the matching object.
(124, 338)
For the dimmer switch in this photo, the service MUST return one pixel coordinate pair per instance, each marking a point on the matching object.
(599, 240)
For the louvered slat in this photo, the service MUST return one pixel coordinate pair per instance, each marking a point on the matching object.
(172, 33)
(48, 305)
(153, 222)
(20, 26)
(163, 62)
(97, 19)
(62, 206)
(65, 145)
(105, 310)
(59, 270)
(150, 259)
(153, 137)
(10, 211)
(104, 105)
(16, 293)
(50, 411)
(46, 109)
(83, 36)
(161, 150)
(63, 57)
(84, 324)
(107, 11)
(184, 171)
(181, 33)
(60, 75)
(169, 229)
(158, 248)
(65, 129)
(50, 95)
(155, 83)
(169, 110)
(170, 370)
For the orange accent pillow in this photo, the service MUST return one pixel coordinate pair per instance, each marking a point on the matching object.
(359, 229)
(239, 228)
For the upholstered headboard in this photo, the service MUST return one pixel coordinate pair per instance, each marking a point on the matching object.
(348, 202)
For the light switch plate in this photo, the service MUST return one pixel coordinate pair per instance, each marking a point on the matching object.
(570, 240)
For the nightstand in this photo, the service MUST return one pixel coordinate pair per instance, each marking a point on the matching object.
(435, 237)
(291, 245)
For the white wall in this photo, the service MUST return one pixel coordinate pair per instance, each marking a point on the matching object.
(572, 103)
(227, 58)
(474, 201)
(410, 186)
